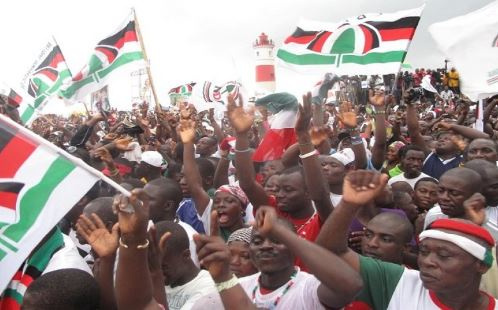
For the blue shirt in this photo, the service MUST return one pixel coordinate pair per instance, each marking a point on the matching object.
(187, 212)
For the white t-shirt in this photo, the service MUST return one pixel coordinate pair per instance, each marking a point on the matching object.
(206, 217)
(393, 287)
(184, 296)
(302, 295)
(490, 223)
(67, 257)
(335, 198)
(410, 293)
(402, 178)
(190, 233)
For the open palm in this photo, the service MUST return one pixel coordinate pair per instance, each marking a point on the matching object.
(186, 130)
(103, 242)
(347, 115)
(240, 119)
(377, 98)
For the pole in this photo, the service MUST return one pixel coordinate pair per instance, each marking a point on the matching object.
(147, 63)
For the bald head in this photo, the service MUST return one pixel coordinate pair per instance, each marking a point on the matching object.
(102, 206)
(469, 179)
(396, 223)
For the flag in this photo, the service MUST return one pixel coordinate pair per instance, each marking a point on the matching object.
(182, 92)
(39, 184)
(16, 99)
(44, 79)
(207, 95)
(367, 44)
(121, 50)
(471, 42)
(281, 133)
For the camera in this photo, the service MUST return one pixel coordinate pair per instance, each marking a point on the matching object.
(415, 93)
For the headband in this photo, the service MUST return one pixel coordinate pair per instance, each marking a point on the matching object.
(473, 248)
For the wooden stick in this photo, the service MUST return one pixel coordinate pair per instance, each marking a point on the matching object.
(147, 63)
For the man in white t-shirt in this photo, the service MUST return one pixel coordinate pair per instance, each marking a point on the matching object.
(334, 168)
(279, 284)
(411, 162)
(447, 94)
(452, 259)
(460, 180)
(184, 283)
(165, 196)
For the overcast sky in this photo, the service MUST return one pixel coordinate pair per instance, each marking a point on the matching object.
(190, 40)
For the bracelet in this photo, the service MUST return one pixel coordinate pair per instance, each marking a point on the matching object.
(314, 152)
(380, 111)
(242, 151)
(227, 284)
(356, 140)
(114, 172)
(140, 246)
(307, 143)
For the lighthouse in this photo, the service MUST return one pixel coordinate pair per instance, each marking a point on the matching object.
(265, 65)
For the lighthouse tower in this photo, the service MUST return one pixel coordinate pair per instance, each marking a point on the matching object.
(265, 65)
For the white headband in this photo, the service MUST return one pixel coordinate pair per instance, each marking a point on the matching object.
(473, 248)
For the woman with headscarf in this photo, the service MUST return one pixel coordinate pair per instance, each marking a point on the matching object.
(230, 203)
(238, 243)
(391, 165)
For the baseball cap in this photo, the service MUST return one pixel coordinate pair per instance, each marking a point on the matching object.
(345, 156)
(153, 158)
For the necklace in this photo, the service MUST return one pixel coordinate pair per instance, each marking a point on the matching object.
(298, 230)
(290, 283)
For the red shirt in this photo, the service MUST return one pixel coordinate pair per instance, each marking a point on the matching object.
(307, 228)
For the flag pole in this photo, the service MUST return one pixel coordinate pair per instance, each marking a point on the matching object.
(74, 160)
(147, 63)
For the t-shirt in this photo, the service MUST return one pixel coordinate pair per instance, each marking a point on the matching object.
(490, 223)
(434, 166)
(402, 178)
(185, 296)
(390, 286)
(187, 212)
(301, 295)
(190, 233)
(335, 198)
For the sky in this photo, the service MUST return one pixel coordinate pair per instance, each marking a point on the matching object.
(195, 40)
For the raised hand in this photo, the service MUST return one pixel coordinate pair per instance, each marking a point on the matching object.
(347, 115)
(475, 208)
(110, 136)
(186, 131)
(103, 242)
(266, 220)
(133, 213)
(240, 119)
(318, 135)
(213, 253)
(104, 155)
(123, 144)
(377, 98)
(362, 186)
(154, 254)
(304, 116)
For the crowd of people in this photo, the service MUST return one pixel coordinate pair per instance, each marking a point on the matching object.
(387, 204)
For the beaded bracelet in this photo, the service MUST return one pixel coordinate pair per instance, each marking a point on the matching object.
(227, 284)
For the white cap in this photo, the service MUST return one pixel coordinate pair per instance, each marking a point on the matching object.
(345, 156)
(153, 158)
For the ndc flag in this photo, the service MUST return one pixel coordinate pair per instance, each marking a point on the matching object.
(366, 44)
